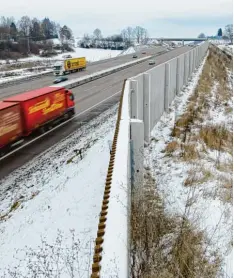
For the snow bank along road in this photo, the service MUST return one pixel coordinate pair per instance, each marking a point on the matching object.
(91, 68)
(90, 101)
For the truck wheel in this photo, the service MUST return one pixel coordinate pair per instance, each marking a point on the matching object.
(42, 129)
(71, 113)
(66, 116)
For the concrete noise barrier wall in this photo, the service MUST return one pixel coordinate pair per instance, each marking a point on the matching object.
(144, 99)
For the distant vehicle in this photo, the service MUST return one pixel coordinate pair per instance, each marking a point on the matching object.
(69, 66)
(60, 79)
(39, 109)
(151, 62)
(134, 56)
(67, 56)
(143, 52)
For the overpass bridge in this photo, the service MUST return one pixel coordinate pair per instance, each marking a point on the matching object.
(178, 39)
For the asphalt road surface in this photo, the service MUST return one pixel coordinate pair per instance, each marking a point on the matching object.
(86, 96)
(47, 80)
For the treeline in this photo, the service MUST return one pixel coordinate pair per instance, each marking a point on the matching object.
(226, 34)
(19, 38)
(128, 37)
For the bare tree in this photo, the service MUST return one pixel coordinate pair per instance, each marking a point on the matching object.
(229, 32)
(201, 36)
(145, 36)
(139, 33)
(130, 33)
(97, 34)
(24, 25)
(124, 35)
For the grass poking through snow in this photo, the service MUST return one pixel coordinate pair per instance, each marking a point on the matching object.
(163, 245)
(182, 227)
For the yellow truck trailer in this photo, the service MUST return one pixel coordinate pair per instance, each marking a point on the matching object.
(69, 66)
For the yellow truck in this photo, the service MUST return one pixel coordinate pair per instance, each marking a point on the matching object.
(69, 66)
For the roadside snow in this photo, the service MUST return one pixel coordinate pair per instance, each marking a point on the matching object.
(130, 50)
(227, 48)
(206, 210)
(55, 193)
(90, 54)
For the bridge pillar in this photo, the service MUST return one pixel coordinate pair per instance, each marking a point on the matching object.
(183, 42)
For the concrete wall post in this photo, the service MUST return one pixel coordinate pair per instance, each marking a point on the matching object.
(137, 154)
(146, 106)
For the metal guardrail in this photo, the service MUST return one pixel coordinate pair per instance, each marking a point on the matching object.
(39, 75)
(21, 80)
(113, 69)
(82, 80)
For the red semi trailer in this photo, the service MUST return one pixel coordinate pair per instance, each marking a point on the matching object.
(29, 111)
(10, 123)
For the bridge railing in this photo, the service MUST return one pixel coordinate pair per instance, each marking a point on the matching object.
(144, 99)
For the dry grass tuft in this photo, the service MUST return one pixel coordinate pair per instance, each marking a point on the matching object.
(226, 195)
(15, 205)
(189, 152)
(225, 167)
(216, 137)
(198, 175)
(172, 147)
(165, 246)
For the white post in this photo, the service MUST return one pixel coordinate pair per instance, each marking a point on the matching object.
(190, 63)
(137, 159)
(166, 89)
(134, 99)
(178, 67)
(146, 106)
(185, 61)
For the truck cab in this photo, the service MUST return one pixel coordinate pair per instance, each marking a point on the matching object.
(58, 68)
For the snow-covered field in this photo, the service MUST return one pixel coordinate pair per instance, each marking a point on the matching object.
(56, 196)
(204, 202)
(90, 54)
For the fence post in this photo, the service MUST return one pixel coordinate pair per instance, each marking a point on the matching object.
(166, 89)
(134, 99)
(137, 154)
(146, 106)
(178, 67)
(184, 79)
(190, 62)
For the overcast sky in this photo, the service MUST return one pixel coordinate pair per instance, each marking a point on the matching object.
(162, 18)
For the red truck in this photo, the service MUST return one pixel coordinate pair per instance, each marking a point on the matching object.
(10, 123)
(20, 115)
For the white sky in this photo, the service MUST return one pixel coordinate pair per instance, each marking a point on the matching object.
(112, 16)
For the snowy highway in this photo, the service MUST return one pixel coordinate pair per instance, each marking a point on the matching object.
(87, 96)
(91, 68)
(51, 192)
